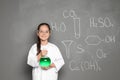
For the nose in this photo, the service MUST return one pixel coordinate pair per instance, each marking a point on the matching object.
(44, 33)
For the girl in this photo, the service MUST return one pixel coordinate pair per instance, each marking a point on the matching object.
(44, 48)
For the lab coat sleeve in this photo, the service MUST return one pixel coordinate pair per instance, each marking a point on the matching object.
(32, 58)
(59, 61)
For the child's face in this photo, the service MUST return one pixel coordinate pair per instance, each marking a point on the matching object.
(43, 33)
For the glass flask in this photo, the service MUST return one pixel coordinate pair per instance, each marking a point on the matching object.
(45, 61)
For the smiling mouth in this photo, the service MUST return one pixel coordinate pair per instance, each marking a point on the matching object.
(43, 36)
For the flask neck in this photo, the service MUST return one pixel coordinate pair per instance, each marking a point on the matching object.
(44, 56)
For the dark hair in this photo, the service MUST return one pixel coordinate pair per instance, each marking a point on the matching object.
(38, 39)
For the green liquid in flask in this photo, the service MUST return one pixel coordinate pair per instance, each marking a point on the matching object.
(45, 62)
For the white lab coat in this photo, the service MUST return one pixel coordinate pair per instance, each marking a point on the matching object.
(56, 58)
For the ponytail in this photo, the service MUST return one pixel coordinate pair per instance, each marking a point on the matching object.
(38, 46)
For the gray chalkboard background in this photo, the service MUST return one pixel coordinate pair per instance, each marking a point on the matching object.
(87, 33)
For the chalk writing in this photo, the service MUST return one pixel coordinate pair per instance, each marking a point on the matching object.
(60, 28)
(70, 13)
(84, 65)
(84, 61)
(96, 40)
(63, 27)
(73, 66)
(54, 26)
(100, 22)
(67, 44)
(81, 50)
(100, 54)
(77, 27)
(93, 40)
(109, 39)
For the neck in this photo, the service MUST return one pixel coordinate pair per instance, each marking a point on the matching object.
(44, 42)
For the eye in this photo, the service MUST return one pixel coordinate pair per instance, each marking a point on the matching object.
(44, 31)
(41, 31)
(47, 31)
